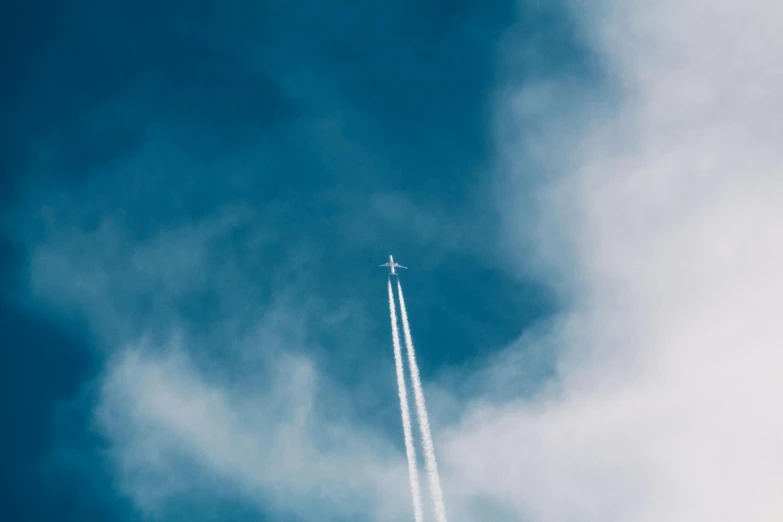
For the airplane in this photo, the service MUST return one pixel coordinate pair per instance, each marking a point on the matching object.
(391, 264)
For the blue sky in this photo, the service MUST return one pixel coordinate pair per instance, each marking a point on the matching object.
(196, 198)
(292, 149)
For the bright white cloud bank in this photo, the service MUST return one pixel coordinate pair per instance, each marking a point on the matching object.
(668, 403)
(668, 398)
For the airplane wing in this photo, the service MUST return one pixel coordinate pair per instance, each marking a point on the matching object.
(385, 264)
(400, 266)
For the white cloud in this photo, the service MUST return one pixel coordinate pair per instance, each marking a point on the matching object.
(174, 431)
(667, 402)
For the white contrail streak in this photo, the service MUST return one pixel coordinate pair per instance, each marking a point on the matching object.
(430, 464)
(410, 450)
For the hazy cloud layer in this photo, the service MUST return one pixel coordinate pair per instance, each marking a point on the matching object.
(666, 398)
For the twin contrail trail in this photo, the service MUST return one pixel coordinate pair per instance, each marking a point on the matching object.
(430, 464)
(410, 450)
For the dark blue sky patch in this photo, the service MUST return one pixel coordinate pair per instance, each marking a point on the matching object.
(45, 367)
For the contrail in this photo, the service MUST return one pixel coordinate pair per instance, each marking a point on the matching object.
(430, 463)
(410, 450)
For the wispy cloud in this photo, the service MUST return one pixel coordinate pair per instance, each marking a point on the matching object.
(175, 431)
